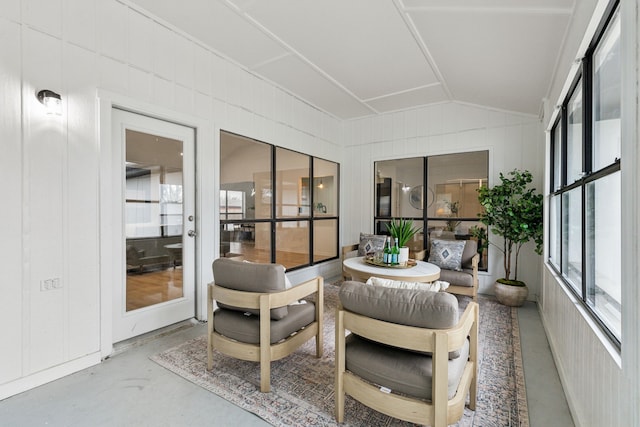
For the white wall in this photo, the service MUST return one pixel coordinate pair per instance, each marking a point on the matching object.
(513, 141)
(50, 166)
(601, 383)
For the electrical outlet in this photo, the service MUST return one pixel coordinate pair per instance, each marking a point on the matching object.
(49, 284)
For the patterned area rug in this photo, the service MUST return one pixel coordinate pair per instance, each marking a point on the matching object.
(302, 386)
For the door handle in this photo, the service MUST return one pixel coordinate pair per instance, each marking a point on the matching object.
(192, 233)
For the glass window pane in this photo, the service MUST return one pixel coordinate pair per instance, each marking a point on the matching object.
(604, 250)
(153, 219)
(574, 136)
(399, 188)
(245, 171)
(572, 238)
(606, 97)
(246, 241)
(325, 186)
(557, 156)
(325, 239)
(554, 231)
(292, 184)
(452, 197)
(292, 243)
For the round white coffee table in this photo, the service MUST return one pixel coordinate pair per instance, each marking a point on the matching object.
(361, 271)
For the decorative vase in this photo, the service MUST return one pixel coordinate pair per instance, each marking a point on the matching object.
(511, 295)
(403, 256)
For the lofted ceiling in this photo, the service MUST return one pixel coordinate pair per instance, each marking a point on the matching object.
(355, 58)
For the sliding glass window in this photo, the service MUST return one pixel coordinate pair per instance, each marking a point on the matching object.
(585, 208)
(270, 209)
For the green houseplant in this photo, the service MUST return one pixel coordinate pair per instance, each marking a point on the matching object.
(402, 229)
(514, 211)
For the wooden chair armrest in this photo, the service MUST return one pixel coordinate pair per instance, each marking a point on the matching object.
(475, 261)
(277, 299)
(410, 337)
(349, 248)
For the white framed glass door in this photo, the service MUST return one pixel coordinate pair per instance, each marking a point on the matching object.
(157, 193)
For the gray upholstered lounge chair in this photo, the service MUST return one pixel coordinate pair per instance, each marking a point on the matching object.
(136, 260)
(464, 281)
(257, 317)
(409, 355)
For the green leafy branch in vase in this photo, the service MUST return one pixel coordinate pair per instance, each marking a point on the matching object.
(454, 208)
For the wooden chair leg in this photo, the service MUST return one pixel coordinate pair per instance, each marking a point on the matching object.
(265, 345)
(210, 326)
(340, 366)
(320, 318)
(265, 375)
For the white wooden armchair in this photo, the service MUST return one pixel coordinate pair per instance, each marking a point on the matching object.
(408, 355)
(258, 318)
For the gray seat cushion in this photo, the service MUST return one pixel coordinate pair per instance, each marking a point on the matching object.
(246, 328)
(411, 307)
(250, 277)
(459, 278)
(399, 370)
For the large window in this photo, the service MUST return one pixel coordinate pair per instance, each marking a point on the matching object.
(444, 205)
(585, 202)
(276, 205)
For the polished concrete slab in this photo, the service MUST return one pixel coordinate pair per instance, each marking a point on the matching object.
(130, 390)
(546, 401)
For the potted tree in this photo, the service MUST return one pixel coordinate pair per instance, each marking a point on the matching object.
(403, 230)
(513, 211)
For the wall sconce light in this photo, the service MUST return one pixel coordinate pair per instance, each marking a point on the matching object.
(51, 101)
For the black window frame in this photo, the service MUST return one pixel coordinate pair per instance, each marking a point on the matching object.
(583, 79)
(275, 219)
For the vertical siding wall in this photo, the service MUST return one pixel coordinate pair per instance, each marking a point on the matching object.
(513, 141)
(588, 367)
(49, 216)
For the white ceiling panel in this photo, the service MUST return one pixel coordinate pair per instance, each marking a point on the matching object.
(365, 45)
(491, 66)
(489, 5)
(410, 99)
(353, 58)
(219, 27)
(300, 78)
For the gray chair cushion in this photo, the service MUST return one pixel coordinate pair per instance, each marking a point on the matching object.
(459, 278)
(411, 307)
(250, 277)
(246, 328)
(399, 370)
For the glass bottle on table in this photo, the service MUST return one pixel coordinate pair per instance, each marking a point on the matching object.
(386, 252)
(395, 252)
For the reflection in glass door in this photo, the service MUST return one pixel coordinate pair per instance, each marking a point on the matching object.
(153, 219)
(157, 193)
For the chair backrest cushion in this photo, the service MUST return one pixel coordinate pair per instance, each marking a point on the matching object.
(411, 307)
(370, 243)
(250, 277)
(470, 249)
